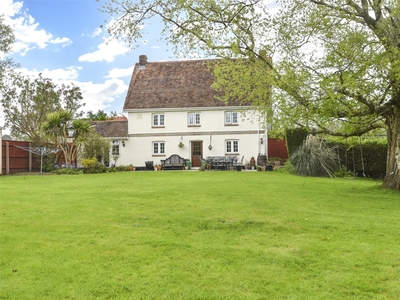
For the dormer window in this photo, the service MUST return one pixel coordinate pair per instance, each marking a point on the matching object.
(194, 119)
(231, 118)
(158, 120)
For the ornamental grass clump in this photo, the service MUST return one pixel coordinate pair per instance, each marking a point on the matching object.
(314, 158)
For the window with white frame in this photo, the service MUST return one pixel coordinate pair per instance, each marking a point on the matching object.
(158, 120)
(158, 148)
(194, 119)
(231, 118)
(231, 146)
(115, 148)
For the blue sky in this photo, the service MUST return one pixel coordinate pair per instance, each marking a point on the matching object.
(62, 39)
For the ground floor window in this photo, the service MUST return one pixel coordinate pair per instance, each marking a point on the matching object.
(232, 146)
(158, 148)
(115, 148)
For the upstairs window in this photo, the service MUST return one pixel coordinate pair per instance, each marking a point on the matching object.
(194, 119)
(158, 120)
(158, 148)
(231, 118)
(231, 146)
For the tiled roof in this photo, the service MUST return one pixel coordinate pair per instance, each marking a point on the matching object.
(172, 84)
(111, 128)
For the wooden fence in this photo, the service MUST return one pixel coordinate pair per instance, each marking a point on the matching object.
(17, 160)
(277, 148)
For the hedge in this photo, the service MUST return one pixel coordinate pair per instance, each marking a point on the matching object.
(294, 139)
(365, 160)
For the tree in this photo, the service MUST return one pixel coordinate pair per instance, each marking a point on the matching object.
(101, 115)
(67, 134)
(336, 63)
(96, 146)
(27, 102)
(6, 40)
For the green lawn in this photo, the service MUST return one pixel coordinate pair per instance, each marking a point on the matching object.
(198, 235)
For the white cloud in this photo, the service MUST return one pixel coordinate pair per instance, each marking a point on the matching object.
(10, 8)
(96, 32)
(118, 73)
(106, 51)
(64, 41)
(58, 76)
(101, 95)
(26, 30)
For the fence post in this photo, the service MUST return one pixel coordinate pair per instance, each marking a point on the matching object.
(7, 158)
(30, 158)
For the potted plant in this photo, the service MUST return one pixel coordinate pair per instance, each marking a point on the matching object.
(252, 163)
(180, 145)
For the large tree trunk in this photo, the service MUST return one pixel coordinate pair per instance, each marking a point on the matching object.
(392, 179)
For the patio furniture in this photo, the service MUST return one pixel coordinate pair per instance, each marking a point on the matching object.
(174, 162)
(221, 162)
(149, 165)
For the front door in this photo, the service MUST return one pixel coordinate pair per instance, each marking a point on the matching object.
(197, 153)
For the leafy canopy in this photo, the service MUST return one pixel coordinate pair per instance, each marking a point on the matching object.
(335, 64)
(6, 40)
(26, 103)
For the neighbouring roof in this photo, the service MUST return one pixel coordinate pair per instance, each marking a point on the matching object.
(111, 128)
(171, 84)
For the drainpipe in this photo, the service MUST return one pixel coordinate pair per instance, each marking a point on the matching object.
(266, 141)
(259, 139)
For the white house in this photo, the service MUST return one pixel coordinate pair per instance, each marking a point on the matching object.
(172, 109)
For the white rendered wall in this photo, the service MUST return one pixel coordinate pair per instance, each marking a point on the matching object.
(138, 147)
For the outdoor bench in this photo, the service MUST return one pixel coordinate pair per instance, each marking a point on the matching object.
(174, 162)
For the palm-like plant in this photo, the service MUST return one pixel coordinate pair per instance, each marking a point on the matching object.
(68, 134)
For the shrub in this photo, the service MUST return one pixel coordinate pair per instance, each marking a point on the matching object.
(49, 161)
(67, 171)
(343, 172)
(91, 165)
(314, 158)
(124, 168)
(288, 167)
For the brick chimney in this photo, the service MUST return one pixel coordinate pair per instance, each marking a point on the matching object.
(142, 62)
